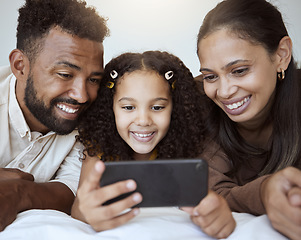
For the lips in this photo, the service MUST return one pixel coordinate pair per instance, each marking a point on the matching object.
(143, 136)
(68, 111)
(237, 107)
(238, 104)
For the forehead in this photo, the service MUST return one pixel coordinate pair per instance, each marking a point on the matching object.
(61, 46)
(222, 47)
(143, 83)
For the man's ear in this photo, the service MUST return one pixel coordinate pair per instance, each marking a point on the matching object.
(19, 64)
(284, 53)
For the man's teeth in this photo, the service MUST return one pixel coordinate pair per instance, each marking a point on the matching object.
(238, 104)
(143, 135)
(67, 109)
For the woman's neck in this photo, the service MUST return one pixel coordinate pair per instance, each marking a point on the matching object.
(257, 136)
(258, 131)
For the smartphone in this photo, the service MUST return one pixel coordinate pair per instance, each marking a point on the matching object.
(182, 182)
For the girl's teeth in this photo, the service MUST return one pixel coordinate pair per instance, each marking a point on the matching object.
(143, 135)
(238, 104)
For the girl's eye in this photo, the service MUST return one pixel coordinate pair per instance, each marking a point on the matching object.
(157, 108)
(210, 77)
(240, 71)
(128, 108)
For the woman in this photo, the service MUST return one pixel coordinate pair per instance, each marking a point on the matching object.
(253, 125)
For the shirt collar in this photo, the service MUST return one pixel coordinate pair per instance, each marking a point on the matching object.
(17, 117)
(15, 112)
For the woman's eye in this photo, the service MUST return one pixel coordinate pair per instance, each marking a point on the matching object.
(210, 78)
(240, 71)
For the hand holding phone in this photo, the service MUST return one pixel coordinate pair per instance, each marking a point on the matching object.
(161, 182)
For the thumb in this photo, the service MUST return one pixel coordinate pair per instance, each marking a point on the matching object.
(294, 196)
(188, 210)
(92, 180)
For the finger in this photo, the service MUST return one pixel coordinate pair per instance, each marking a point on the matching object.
(113, 210)
(93, 178)
(27, 176)
(14, 173)
(293, 175)
(188, 210)
(116, 189)
(218, 224)
(97, 197)
(115, 222)
(290, 227)
(204, 221)
(294, 197)
(208, 204)
(227, 229)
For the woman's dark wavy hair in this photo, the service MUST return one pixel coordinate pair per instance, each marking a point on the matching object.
(38, 17)
(260, 23)
(97, 129)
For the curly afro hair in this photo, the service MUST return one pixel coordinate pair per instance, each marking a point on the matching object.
(38, 17)
(97, 128)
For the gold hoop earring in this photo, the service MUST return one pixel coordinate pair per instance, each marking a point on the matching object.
(281, 75)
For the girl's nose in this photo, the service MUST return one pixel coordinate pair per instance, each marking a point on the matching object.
(143, 118)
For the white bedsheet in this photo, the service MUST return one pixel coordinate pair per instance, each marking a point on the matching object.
(150, 224)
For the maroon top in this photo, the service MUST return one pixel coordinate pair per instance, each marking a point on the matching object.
(242, 191)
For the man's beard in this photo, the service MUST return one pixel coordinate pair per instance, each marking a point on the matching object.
(46, 115)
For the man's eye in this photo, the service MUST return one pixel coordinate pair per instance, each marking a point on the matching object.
(95, 80)
(65, 75)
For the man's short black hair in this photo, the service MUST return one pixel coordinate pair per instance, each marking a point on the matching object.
(38, 17)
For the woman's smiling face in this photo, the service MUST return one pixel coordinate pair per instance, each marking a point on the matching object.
(239, 77)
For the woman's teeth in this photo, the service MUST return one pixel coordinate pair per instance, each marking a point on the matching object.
(238, 104)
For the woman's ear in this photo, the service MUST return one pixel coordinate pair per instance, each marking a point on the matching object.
(19, 64)
(284, 53)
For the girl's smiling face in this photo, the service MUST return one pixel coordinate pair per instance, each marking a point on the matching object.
(239, 77)
(142, 106)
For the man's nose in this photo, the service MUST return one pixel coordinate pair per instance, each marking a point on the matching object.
(79, 91)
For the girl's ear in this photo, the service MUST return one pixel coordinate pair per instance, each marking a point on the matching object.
(284, 53)
(19, 64)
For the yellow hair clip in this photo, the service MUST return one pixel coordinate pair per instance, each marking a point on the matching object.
(110, 84)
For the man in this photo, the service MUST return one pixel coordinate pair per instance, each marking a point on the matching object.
(53, 77)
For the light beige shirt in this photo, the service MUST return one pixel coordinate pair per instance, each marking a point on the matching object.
(49, 157)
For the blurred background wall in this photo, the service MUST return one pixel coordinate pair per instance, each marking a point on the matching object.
(139, 25)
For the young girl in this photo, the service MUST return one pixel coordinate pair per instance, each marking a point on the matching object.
(148, 108)
(254, 122)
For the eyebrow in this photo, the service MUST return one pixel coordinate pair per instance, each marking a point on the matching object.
(132, 99)
(73, 66)
(68, 64)
(226, 66)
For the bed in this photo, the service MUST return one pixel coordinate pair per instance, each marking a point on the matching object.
(151, 224)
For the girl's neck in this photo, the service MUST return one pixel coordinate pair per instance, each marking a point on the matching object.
(147, 156)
